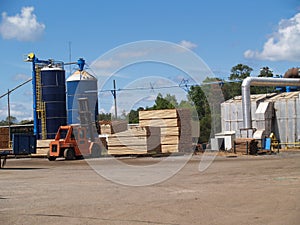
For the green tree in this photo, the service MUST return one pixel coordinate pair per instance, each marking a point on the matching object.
(11, 119)
(198, 98)
(212, 87)
(104, 116)
(169, 102)
(185, 104)
(26, 122)
(240, 72)
(265, 72)
(133, 115)
(231, 89)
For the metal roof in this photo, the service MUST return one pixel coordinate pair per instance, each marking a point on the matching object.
(267, 97)
(83, 75)
(285, 95)
(254, 97)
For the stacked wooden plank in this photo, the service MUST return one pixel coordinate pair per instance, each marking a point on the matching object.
(134, 141)
(175, 127)
(246, 146)
(112, 127)
(4, 139)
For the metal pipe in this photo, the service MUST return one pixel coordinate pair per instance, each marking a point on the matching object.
(35, 116)
(260, 81)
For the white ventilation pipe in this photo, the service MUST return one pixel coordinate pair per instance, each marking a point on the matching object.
(260, 81)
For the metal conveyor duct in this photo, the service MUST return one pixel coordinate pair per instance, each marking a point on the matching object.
(260, 81)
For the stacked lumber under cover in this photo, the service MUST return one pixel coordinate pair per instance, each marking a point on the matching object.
(135, 140)
(246, 145)
(175, 125)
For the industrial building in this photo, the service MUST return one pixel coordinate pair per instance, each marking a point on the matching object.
(277, 113)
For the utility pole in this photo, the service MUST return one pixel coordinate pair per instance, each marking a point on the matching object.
(8, 113)
(114, 93)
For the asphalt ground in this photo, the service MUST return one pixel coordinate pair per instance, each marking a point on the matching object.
(231, 190)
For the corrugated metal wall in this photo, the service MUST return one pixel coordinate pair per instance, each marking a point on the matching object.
(286, 120)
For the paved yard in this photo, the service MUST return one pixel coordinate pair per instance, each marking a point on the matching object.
(240, 190)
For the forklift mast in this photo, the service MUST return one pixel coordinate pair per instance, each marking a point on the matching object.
(85, 117)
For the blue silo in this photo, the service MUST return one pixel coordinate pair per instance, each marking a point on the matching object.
(51, 108)
(81, 84)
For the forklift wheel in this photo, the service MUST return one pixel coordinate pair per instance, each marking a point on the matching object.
(69, 154)
(50, 158)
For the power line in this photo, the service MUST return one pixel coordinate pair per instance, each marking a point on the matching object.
(183, 84)
(9, 91)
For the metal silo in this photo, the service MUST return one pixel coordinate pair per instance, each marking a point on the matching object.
(51, 105)
(81, 84)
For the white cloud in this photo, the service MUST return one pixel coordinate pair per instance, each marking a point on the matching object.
(23, 27)
(188, 44)
(21, 77)
(284, 44)
(106, 64)
(22, 111)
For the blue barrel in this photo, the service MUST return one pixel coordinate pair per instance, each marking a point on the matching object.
(81, 84)
(53, 92)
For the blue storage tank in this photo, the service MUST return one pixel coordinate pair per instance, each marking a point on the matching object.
(53, 95)
(81, 84)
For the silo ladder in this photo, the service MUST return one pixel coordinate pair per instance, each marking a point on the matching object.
(40, 106)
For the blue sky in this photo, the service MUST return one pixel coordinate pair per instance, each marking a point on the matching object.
(223, 33)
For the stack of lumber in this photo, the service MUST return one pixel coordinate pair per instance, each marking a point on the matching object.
(4, 139)
(175, 125)
(246, 145)
(112, 127)
(134, 141)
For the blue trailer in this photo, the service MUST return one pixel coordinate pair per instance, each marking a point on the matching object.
(22, 144)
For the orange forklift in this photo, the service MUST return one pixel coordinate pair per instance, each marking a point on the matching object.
(71, 142)
(76, 141)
